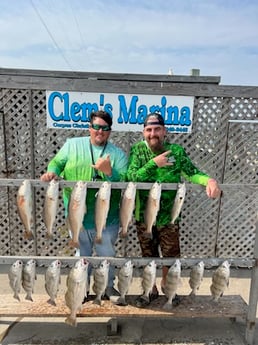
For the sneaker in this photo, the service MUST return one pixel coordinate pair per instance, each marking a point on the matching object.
(111, 292)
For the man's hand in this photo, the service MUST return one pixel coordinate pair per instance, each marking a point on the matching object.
(212, 189)
(104, 165)
(48, 176)
(162, 159)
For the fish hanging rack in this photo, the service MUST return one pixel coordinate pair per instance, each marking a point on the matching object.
(4, 182)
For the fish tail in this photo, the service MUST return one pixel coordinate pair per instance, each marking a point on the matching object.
(147, 234)
(74, 244)
(123, 233)
(71, 321)
(29, 298)
(16, 296)
(121, 301)
(49, 235)
(28, 235)
(167, 305)
(98, 240)
(52, 302)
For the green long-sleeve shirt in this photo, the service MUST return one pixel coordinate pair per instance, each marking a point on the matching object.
(73, 162)
(142, 168)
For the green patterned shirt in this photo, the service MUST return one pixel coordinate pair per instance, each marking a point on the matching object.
(142, 168)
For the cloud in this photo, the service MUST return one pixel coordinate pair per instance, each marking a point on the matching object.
(218, 37)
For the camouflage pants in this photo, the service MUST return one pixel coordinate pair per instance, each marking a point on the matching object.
(166, 237)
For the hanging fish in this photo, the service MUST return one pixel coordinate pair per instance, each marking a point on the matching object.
(76, 287)
(15, 278)
(220, 280)
(100, 280)
(53, 280)
(148, 280)
(127, 207)
(28, 278)
(178, 202)
(76, 211)
(196, 277)
(101, 209)
(125, 277)
(173, 281)
(25, 208)
(152, 208)
(50, 206)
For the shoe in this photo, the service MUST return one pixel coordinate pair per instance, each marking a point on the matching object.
(110, 292)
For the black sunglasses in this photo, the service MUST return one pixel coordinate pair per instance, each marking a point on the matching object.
(98, 127)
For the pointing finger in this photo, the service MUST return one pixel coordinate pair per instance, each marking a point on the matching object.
(166, 153)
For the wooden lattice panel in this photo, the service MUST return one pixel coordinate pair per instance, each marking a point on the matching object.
(242, 154)
(238, 214)
(5, 242)
(243, 109)
(18, 133)
(213, 146)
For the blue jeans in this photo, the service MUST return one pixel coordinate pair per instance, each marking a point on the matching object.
(106, 248)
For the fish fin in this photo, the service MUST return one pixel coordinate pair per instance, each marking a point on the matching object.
(167, 306)
(98, 240)
(28, 235)
(121, 302)
(51, 302)
(49, 236)
(29, 298)
(71, 321)
(73, 244)
(16, 296)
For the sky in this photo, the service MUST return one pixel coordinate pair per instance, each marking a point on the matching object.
(218, 37)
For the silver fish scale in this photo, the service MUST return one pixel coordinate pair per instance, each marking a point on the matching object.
(100, 280)
(148, 278)
(196, 276)
(52, 280)
(15, 278)
(125, 276)
(76, 289)
(28, 278)
(220, 280)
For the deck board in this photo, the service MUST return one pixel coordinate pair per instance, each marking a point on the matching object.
(200, 306)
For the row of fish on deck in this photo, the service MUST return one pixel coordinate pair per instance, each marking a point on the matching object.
(77, 285)
(77, 207)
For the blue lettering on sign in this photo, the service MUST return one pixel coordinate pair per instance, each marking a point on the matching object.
(60, 108)
(135, 113)
(74, 111)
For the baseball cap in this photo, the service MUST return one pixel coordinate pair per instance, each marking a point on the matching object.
(154, 119)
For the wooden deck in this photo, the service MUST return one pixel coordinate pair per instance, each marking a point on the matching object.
(201, 306)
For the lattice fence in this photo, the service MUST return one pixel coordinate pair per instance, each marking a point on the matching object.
(225, 150)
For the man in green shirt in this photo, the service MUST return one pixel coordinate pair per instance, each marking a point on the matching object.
(93, 158)
(155, 160)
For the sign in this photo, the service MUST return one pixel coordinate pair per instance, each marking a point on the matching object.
(71, 110)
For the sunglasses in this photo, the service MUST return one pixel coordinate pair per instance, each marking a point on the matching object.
(98, 127)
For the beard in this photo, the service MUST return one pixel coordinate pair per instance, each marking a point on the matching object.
(155, 144)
